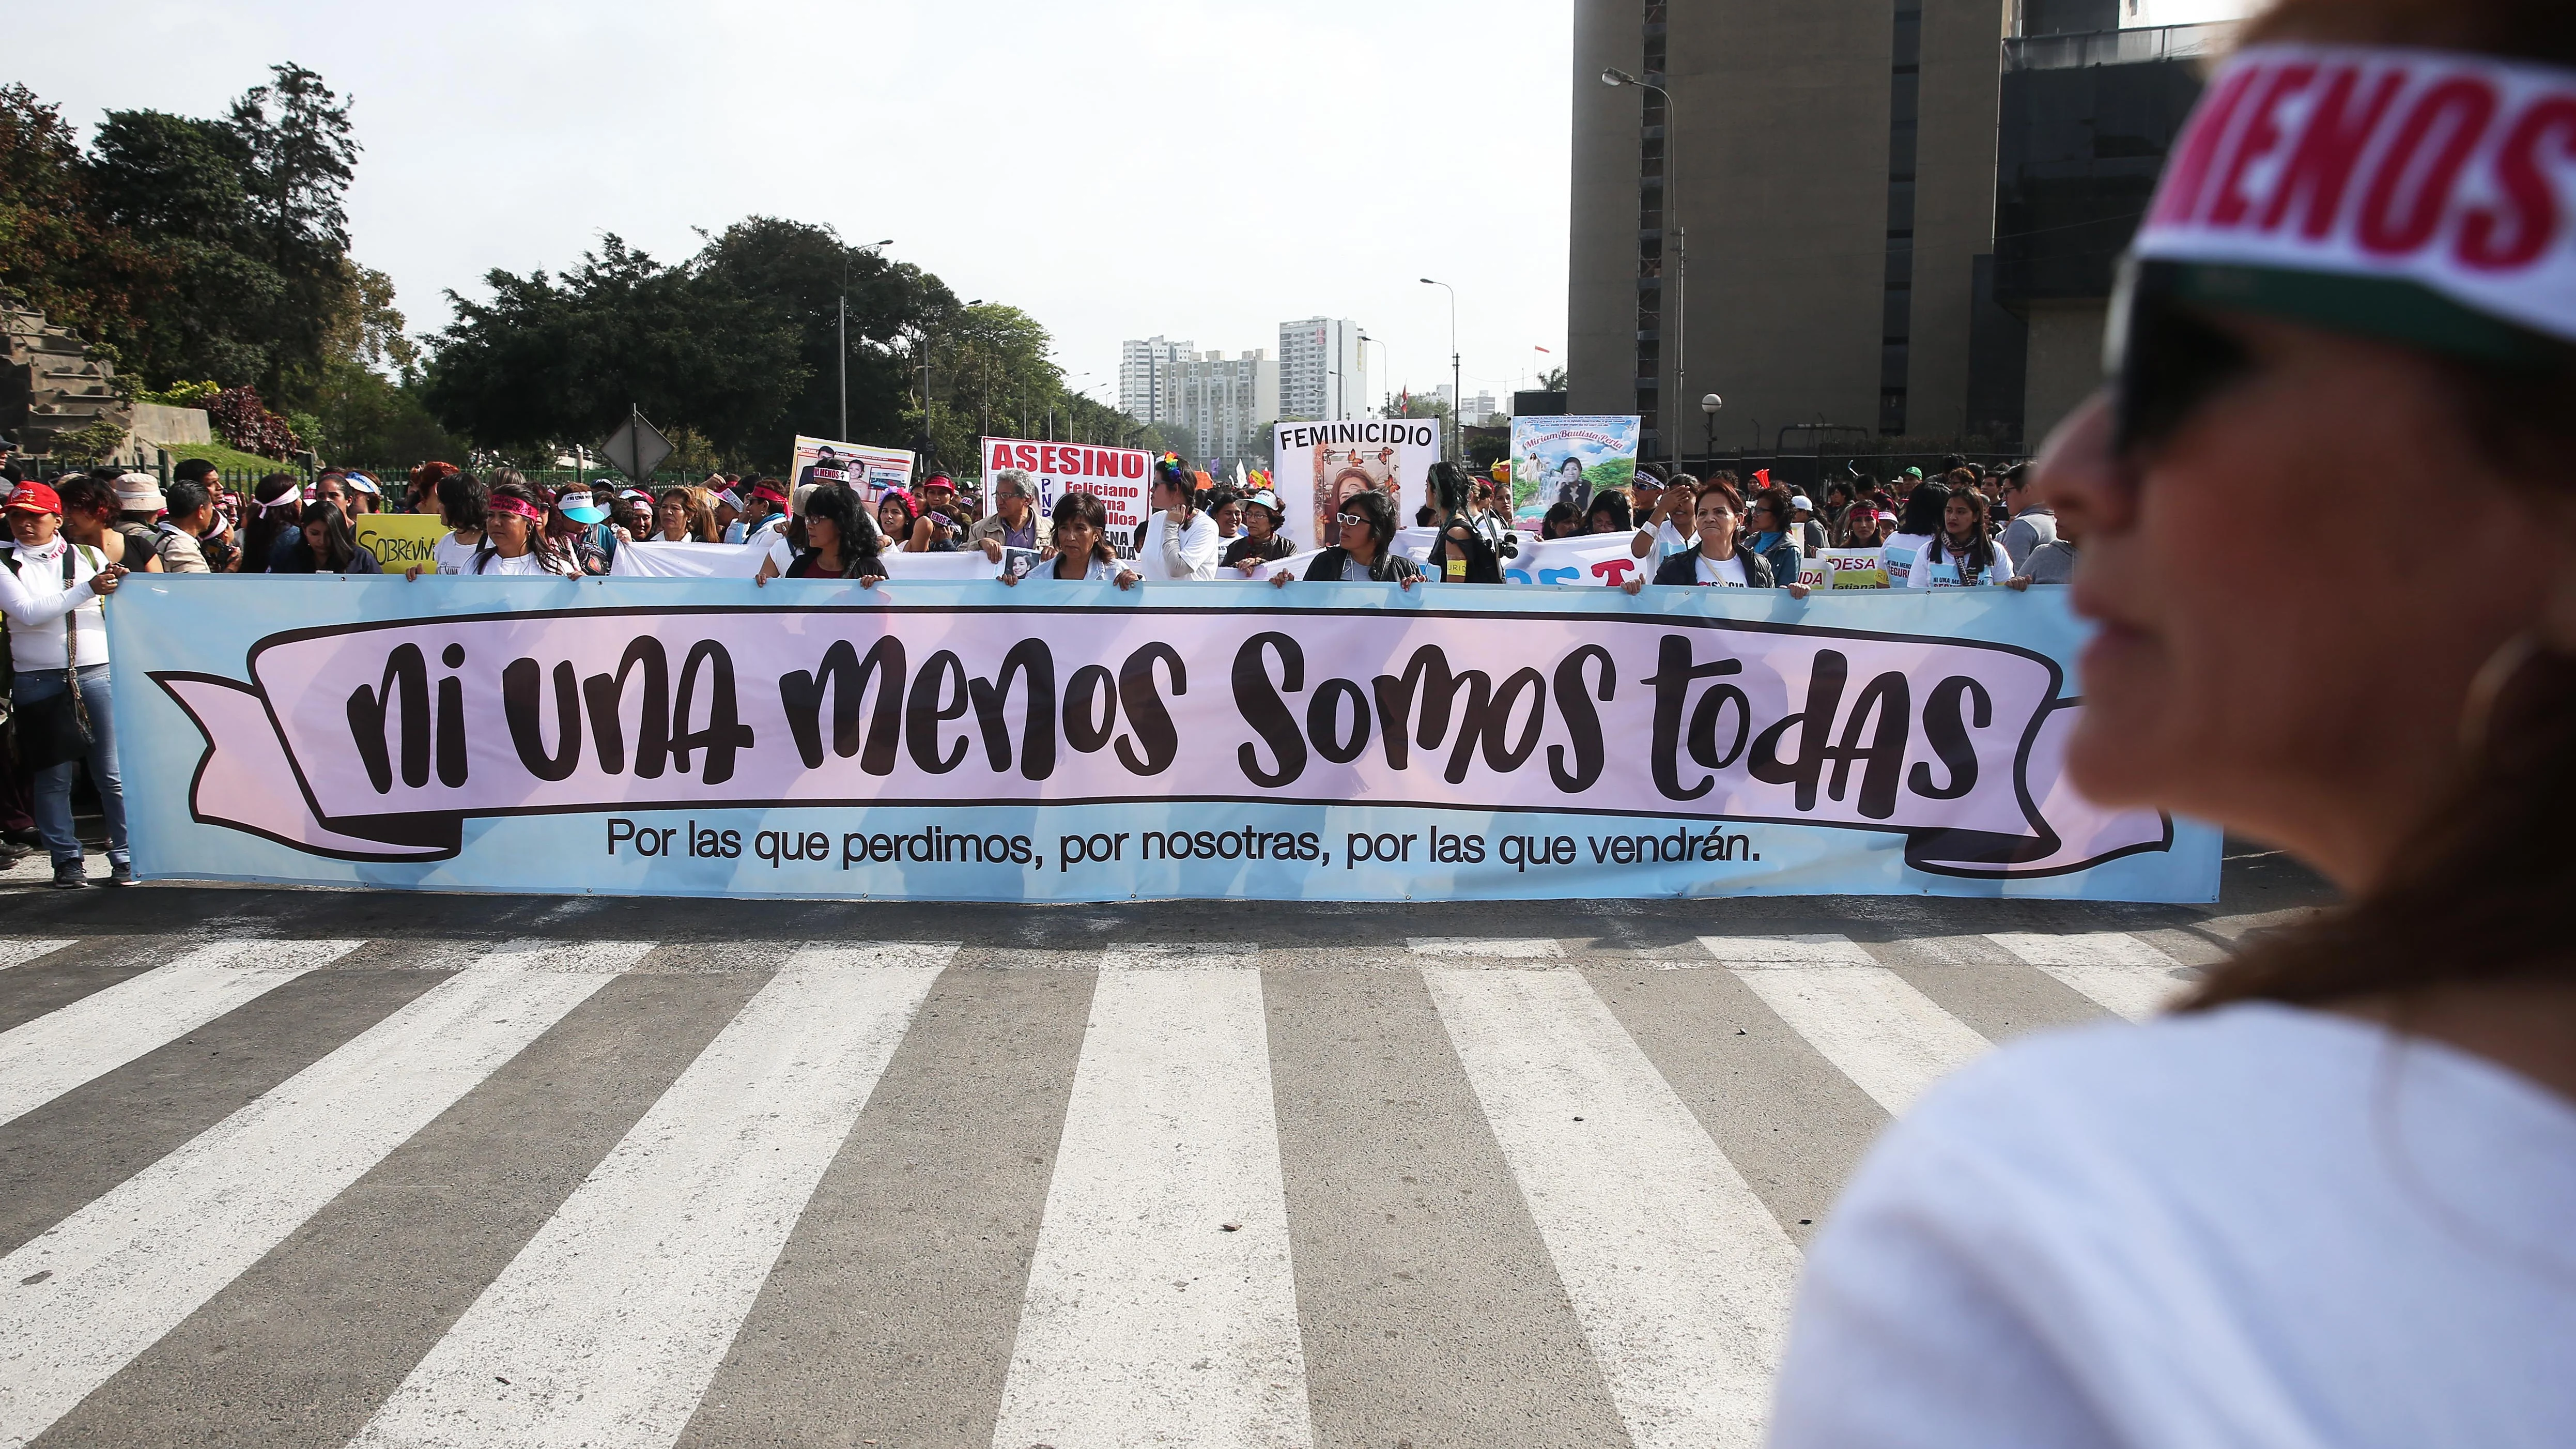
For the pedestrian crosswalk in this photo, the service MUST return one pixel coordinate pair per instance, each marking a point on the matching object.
(1160, 1241)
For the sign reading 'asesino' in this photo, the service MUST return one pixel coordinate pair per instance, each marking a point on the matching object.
(1116, 476)
(2451, 170)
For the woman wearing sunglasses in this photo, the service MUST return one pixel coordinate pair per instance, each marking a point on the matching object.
(1366, 526)
(2325, 1200)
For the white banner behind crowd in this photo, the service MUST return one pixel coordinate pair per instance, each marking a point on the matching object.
(742, 561)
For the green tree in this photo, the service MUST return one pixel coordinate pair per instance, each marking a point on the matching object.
(177, 185)
(801, 273)
(299, 153)
(547, 362)
(77, 267)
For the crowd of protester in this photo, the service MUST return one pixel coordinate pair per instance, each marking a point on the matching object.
(72, 541)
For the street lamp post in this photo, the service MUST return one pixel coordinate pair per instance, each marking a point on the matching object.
(845, 336)
(1709, 406)
(1457, 439)
(1613, 76)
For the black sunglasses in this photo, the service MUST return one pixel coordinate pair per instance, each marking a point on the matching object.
(2165, 359)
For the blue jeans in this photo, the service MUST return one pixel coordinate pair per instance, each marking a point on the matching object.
(53, 802)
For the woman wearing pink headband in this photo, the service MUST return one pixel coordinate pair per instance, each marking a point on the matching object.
(2326, 1198)
(514, 538)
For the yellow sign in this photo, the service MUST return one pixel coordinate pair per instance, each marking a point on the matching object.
(1845, 568)
(400, 540)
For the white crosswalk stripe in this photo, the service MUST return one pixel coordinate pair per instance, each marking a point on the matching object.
(608, 1326)
(2120, 973)
(82, 1300)
(1161, 1304)
(1873, 1025)
(106, 1029)
(1681, 1278)
(1161, 1308)
(1488, 948)
(20, 951)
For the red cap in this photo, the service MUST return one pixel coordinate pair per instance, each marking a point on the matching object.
(770, 492)
(35, 498)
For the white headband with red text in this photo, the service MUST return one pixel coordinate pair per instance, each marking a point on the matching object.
(2453, 171)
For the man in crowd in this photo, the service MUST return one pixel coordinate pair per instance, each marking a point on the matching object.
(181, 534)
(141, 516)
(1015, 522)
(2033, 522)
(2052, 562)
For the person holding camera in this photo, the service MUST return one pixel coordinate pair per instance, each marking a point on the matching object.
(57, 625)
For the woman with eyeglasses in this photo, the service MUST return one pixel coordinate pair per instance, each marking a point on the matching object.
(1366, 526)
(841, 541)
(1262, 542)
(1772, 531)
(2324, 1199)
(1082, 551)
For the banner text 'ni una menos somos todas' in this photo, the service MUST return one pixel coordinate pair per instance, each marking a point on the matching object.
(1325, 741)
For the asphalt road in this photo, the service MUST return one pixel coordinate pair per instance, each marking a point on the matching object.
(298, 1167)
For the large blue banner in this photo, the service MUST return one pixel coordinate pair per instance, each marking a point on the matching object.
(930, 740)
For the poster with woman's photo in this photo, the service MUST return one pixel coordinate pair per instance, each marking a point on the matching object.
(1568, 459)
(1320, 464)
(869, 470)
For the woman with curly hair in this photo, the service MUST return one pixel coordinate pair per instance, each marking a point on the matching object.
(841, 541)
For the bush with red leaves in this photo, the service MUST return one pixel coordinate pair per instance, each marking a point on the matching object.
(242, 420)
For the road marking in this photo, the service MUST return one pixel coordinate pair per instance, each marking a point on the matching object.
(104, 1030)
(19, 953)
(1505, 948)
(1161, 1308)
(611, 1322)
(1681, 1278)
(1890, 1039)
(2120, 973)
(78, 1303)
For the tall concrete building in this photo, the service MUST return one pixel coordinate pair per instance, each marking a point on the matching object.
(1323, 372)
(1226, 403)
(1833, 165)
(1146, 370)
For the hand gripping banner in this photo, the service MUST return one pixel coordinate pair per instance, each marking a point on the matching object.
(1213, 715)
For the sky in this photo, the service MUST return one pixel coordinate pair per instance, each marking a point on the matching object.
(1199, 169)
(1192, 168)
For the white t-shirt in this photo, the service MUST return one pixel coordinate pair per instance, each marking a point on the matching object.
(526, 563)
(1898, 555)
(2260, 1226)
(1722, 573)
(1102, 570)
(1198, 546)
(35, 601)
(452, 557)
(1923, 573)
